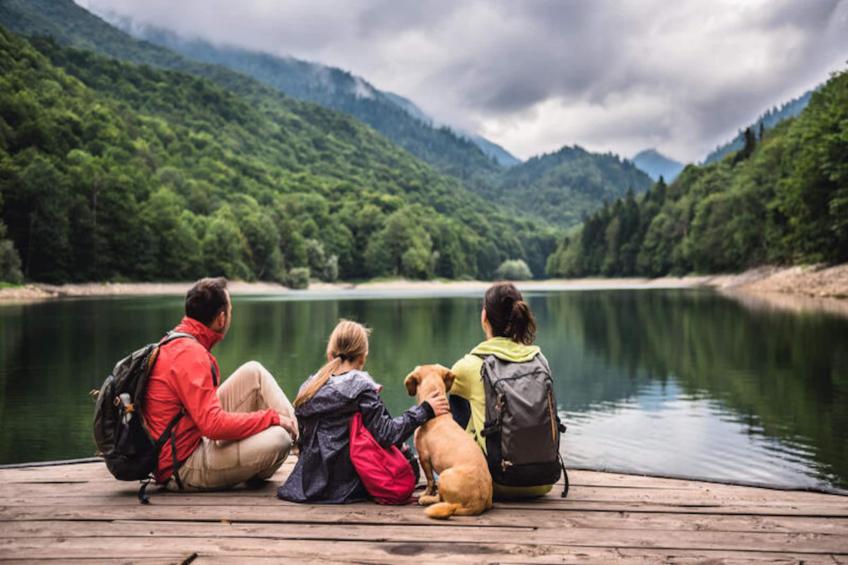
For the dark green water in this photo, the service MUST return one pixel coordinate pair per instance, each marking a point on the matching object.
(666, 382)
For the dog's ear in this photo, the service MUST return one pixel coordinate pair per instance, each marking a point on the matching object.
(412, 381)
(448, 377)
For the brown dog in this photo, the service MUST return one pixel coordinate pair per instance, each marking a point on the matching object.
(465, 485)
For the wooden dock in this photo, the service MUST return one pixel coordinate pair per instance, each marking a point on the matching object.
(79, 513)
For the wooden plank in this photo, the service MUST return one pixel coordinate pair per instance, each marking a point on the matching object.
(597, 483)
(61, 513)
(502, 516)
(279, 510)
(466, 532)
(13, 493)
(622, 556)
(91, 471)
(357, 551)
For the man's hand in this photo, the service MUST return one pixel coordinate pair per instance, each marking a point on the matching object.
(438, 401)
(289, 425)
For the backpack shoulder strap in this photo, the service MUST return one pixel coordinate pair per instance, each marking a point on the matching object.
(172, 336)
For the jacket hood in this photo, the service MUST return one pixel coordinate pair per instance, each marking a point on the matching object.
(506, 350)
(205, 336)
(339, 392)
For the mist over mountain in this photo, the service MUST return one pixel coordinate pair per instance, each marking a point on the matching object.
(767, 120)
(251, 143)
(781, 199)
(657, 165)
(153, 166)
(453, 151)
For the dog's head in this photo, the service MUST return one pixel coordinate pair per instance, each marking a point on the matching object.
(425, 378)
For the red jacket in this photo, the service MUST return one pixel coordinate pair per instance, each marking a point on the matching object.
(182, 378)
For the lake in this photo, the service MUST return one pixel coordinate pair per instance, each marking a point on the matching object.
(669, 382)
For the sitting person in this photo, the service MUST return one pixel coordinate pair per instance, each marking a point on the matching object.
(325, 406)
(510, 330)
(221, 435)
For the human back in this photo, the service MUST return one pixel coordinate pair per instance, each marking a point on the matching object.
(510, 330)
(325, 407)
(229, 432)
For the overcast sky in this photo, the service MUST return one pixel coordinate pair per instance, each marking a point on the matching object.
(617, 76)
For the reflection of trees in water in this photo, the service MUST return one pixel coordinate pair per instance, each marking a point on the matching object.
(290, 337)
(53, 353)
(786, 372)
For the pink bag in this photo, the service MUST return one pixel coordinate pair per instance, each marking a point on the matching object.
(386, 473)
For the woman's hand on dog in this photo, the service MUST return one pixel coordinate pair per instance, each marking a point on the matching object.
(438, 401)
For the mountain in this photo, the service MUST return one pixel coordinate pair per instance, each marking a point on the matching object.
(564, 186)
(490, 148)
(400, 120)
(494, 151)
(766, 121)
(782, 199)
(657, 165)
(112, 170)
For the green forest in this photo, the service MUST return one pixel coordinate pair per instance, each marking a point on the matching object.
(306, 167)
(124, 160)
(781, 199)
(114, 171)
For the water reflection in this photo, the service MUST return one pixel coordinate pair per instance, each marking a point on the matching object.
(669, 382)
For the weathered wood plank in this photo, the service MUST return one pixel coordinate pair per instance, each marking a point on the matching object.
(622, 556)
(329, 551)
(667, 493)
(65, 513)
(279, 510)
(503, 516)
(466, 532)
(92, 471)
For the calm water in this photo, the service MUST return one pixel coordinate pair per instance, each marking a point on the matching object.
(666, 382)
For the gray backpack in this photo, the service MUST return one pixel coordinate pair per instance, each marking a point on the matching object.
(522, 429)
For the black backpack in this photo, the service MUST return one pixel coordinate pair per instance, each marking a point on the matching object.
(122, 438)
(522, 428)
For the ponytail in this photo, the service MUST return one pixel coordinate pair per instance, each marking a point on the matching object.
(348, 342)
(522, 324)
(319, 380)
(508, 313)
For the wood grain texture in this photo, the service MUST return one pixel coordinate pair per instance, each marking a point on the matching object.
(78, 513)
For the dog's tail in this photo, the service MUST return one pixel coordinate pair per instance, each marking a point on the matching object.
(441, 510)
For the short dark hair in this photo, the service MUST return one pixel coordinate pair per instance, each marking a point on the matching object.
(508, 314)
(206, 299)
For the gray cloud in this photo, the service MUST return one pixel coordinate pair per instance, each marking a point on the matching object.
(536, 75)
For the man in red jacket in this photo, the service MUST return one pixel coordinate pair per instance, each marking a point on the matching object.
(240, 431)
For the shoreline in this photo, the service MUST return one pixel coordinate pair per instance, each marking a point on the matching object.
(785, 288)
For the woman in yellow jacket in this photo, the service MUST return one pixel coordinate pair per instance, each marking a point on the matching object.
(510, 330)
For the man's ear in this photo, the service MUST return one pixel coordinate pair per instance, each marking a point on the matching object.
(412, 381)
(219, 322)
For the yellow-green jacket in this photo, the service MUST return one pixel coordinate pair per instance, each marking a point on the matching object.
(469, 385)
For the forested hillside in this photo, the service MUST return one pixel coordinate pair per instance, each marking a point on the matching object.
(780, 199)
(327, 86)
(767, 121)
(110, 170)
(563, 187)
(393, 116)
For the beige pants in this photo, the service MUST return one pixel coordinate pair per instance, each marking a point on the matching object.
(222, 464)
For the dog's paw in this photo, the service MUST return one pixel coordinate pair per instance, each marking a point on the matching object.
(428, 499)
